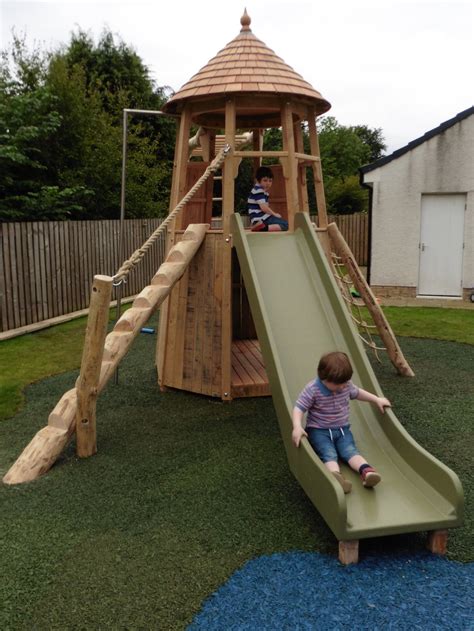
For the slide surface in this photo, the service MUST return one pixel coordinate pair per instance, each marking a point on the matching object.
(299, 315)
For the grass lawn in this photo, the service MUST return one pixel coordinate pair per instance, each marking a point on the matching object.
(28, 358)
(185, 489)
(456, 325)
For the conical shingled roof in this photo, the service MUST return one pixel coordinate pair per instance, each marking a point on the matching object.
(246, 65)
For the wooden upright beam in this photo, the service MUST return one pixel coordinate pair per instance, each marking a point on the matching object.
(228, 170)
(88, 382)
(302, 185)
(257, 143)
(181, 156)
(226, 243)
(317, 171)
(178, 187)
(290, 164)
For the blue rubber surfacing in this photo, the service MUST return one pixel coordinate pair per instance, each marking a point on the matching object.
(303, 590)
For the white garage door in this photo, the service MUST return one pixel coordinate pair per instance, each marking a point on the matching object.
(441, 245)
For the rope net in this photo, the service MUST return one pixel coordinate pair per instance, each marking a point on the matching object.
(127, 266)
(355, 306)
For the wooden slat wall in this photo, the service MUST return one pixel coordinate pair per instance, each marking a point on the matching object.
(46, 268)
(194, 327)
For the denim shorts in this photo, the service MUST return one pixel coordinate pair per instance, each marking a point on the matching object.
(332, 444)
(272, 220)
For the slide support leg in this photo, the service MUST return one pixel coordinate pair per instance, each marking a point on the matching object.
(349, 552)
(437, 541)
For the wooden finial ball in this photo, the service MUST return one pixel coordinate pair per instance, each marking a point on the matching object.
(245, 21)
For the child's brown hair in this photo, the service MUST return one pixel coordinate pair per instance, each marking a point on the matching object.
(262, 172)
(335, 367)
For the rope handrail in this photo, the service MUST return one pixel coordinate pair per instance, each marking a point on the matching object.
(137, 256)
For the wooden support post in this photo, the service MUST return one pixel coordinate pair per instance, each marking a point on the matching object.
(302, 186)
(212, 145)
(227, 209)
(178, 188)
(385, 331)
(88, 382)
(178, 184)
(349, 552)
(205, 141)
(289, 164)
(257, 145)
(437, 541)
(317, 171)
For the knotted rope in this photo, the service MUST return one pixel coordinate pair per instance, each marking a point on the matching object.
(137, 256)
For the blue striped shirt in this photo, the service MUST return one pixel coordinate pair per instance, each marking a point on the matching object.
(256, 197)
(326, 409)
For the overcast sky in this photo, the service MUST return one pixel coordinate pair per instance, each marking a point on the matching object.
(405, 66)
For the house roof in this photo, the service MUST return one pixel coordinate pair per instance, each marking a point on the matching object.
(414, 143)
(246, 65)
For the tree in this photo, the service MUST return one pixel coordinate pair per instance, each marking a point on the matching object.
(113, 77)
(29, 121)
(373, 138)
(61, 134)
(342, 150)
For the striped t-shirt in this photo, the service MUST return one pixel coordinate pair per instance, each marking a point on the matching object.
(256, 197)
(326, 409)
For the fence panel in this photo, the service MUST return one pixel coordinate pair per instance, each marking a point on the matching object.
(355, 230)
(47, 268)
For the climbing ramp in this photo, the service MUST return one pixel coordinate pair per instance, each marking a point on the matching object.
(45, 447)
(299, 314)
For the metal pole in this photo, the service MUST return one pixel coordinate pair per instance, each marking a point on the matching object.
(119, 288)
(122, 217)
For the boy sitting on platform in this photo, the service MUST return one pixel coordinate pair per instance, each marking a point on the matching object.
(262, 217)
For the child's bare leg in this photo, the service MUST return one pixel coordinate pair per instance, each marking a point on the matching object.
(332, 466)
(356, 462)
(274, 227)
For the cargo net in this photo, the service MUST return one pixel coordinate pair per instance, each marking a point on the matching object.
(356, 306)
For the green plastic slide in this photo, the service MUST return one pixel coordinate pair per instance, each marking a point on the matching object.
(299, 315)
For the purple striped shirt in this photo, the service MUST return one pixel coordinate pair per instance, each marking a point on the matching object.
(326, 409)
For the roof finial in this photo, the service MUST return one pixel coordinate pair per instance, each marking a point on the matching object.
(245, 21)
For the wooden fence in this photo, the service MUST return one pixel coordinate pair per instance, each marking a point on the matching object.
(355, 230)
(46, 268)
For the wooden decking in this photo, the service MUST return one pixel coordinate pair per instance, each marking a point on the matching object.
(249, 378)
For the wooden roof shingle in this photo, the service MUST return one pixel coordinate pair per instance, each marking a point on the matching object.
(246, 64)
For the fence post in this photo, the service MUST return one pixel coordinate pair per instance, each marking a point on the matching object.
(88, 381)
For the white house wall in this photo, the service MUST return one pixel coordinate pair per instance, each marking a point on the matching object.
(442, 164)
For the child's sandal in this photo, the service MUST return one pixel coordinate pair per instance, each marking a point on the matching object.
(370, 477)
(346, 484)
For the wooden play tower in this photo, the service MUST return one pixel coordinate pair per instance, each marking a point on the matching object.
(207, 342)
